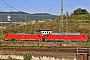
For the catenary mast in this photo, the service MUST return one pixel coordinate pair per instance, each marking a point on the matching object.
(62, 16)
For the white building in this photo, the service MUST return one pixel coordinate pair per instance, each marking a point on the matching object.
(44, 32)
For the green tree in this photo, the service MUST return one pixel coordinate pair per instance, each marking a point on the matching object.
(80, 11)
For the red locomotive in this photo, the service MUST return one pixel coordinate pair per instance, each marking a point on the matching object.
(10, 36)
(66, 37)
(48, 36)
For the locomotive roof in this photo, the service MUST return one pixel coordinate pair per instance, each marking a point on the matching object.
(66, 33)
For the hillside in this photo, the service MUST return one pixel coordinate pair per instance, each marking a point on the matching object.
(23, 15)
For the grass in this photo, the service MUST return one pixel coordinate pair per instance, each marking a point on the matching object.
(44, 44)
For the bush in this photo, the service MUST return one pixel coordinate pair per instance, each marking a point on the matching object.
(9, 58)
(13, 39)
(27, 56)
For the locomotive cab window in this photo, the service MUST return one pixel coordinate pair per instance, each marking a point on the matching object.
(83, 36)
(39, 35)
(7, 35)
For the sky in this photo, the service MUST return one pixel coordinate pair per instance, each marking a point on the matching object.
(43, 6)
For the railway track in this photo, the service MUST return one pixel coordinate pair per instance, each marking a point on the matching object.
(47, 49)
(41, 47)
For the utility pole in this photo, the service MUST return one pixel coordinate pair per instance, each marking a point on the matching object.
(1, 25)
(62, 16)
(25, 24)
(66, 21)
(25, 18)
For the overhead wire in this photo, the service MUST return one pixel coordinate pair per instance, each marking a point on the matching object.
(23, 4)
(10, 6)
(53, 6)
(39, 6)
